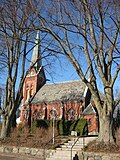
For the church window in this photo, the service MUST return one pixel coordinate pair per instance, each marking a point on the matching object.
(53, 113)
(32, 72)
(89, 121)
(32, 86)
(27, 94)
(71, 112)
(28, 86)
(31, 94)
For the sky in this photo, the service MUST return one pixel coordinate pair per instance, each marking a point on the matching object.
(59, 71)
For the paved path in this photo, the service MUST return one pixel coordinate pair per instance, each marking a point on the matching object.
(4, 156)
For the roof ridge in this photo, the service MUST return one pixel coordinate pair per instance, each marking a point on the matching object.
(65, 82)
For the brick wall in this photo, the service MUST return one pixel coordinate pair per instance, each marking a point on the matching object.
(92, 122)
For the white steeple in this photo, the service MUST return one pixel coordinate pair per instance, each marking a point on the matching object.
(36, 57)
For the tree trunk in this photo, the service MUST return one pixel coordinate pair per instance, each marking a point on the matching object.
(14, 121)
(5, 131)
(7, 122)
(106, 130)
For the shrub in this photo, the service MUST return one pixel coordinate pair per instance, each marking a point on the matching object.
(35, 123)
(50, 123)
(67, 126)
(60, 127)
(81, 127)
(73, 125)
(40, 123)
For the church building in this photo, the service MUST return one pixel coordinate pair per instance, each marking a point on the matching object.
(65, 100)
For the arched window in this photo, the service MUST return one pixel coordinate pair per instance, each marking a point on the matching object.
(89, 121)
(71, 112)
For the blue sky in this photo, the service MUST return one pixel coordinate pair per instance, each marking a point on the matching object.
(60, 71)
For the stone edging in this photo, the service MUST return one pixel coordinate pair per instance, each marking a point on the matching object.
(23, 150)
(98, 156)
(42, 153)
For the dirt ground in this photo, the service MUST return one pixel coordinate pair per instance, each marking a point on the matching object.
(101, 147)
(39, 138)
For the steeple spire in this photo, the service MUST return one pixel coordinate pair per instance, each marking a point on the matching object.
(36, 57)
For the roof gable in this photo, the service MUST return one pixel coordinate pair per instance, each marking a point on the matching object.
(89, 110)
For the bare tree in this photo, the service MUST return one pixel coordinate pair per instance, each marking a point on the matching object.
(88, 34)
(17, 25)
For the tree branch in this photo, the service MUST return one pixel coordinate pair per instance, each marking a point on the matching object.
(115, 76)
(117, 101)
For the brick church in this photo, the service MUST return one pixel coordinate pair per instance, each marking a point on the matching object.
(64, 100)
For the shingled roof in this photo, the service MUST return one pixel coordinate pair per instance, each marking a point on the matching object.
(65, 91)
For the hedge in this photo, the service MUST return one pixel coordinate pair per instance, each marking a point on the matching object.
(64, 127)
